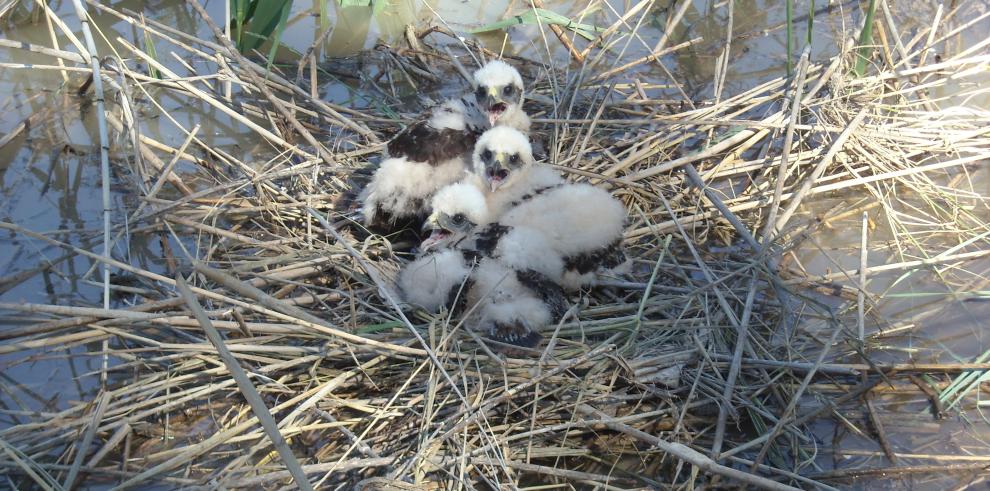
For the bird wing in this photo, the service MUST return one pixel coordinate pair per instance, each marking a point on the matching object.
(487, 239)
(448, 132)
(424, 143)
(608, 257)
(545, 289)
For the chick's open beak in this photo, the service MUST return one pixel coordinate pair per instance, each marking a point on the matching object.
(494, 104)
(498, 172)
(437, 233)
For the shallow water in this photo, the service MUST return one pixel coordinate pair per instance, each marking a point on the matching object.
(50, 182)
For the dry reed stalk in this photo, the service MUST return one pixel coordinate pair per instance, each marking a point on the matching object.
(361, 387)
(247, 389)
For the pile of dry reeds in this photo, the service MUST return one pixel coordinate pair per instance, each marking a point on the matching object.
(268, 348)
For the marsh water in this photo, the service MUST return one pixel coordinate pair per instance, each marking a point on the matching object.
(50, 181)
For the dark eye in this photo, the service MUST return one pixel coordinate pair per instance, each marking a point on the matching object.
(486, 155)
(480, 92)
(458, 219)
(508, 90)
(514, 159)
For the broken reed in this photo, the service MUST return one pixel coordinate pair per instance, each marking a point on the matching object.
(715, 328)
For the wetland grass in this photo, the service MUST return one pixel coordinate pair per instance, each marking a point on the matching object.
(271, 348)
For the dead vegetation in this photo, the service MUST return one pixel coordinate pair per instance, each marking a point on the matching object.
(704, 367)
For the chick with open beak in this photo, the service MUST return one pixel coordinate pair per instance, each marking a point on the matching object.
(498, 89)
(500, 155)
(457, 210)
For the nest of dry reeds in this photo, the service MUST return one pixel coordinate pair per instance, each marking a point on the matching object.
(268, 347)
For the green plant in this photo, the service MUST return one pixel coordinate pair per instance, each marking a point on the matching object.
(543, 16)
(255, 22)
(789, 12)
(865, 40)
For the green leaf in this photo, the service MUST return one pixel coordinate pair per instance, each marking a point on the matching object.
(240, 10)
(789, 8)
(279, 28)
(543, 16)
(374, 328)
(865, 40)
(149, 49)
(257, 21)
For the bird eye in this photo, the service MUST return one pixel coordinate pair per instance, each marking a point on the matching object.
(480, 92)
(508, 90)
(486, 155)
(458, 219)
(514, 159)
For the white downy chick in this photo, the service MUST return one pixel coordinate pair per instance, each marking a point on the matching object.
(436, 151)
(580, 222)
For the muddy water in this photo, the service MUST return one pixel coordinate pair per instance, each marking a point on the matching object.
(49, 183)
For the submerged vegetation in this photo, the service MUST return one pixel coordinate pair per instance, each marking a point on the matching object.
(270, 347)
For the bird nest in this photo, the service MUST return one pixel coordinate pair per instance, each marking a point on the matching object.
(695, 366)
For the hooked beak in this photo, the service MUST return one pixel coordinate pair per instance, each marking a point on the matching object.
(498, 173)
(494, 105)
(437, 233)
(431, 223)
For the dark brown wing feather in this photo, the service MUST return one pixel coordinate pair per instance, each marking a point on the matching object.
(486, 240)
(549, 292)
(607, 257)
(515, 334)
(424, 143)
